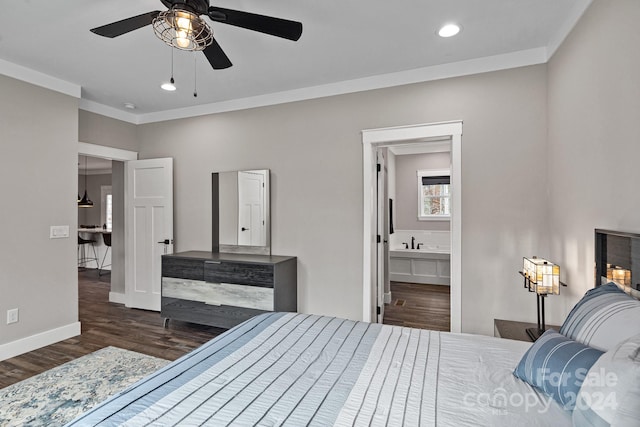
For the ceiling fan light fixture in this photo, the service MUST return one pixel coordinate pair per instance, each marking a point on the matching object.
(182, 29)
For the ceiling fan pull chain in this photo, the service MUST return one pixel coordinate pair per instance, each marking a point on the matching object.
(172, 80)
(195, 75)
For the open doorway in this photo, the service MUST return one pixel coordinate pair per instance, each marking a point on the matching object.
(95, 215)
(100, 156)
(448, 133)
(417, 234)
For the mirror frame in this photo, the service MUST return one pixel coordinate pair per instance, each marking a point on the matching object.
(216, 246)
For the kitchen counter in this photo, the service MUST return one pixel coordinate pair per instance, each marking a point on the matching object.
(94, 230)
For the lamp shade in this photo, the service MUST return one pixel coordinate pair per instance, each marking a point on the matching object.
(619, 275)
(543, 276)
(85, 202)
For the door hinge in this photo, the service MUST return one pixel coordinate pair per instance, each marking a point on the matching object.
(379, 167)
(378, 310)
(379, 238)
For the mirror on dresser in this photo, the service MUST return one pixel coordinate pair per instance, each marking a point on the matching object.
(240, 212)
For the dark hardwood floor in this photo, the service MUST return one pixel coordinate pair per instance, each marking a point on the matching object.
(107, 324)
(419, 306)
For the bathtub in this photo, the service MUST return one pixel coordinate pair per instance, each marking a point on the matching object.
(430, 264)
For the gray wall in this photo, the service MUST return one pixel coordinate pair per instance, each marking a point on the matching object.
(594, 93)
(314, 151)
(38, 179)
(407, 189)
(97, 129)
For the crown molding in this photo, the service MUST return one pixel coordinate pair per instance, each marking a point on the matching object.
(37, 78)
(105, 110)
(438, 72)
(419, 75)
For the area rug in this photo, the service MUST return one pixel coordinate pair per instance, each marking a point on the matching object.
(61, 394)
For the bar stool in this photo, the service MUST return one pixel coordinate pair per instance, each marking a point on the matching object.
(83, 257)
(107, 242)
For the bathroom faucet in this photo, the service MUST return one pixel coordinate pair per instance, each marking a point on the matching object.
(413, 242)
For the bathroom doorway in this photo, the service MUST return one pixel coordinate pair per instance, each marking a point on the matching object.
(443, 137)
(418, 243)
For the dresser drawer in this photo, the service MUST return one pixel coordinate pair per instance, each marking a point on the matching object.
(218, 294)
(192, 269)
(240, 273)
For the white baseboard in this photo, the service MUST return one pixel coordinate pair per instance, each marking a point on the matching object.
(117, 297)
(387, 297)
(34, 342)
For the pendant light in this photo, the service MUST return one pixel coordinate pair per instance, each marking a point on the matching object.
(85, 202)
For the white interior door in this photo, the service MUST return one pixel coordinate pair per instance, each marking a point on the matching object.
(149, 229)
(251, 202)
(381, 219)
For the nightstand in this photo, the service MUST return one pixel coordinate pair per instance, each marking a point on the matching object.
(513, 330)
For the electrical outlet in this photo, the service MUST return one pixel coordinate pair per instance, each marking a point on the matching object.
(12, 316)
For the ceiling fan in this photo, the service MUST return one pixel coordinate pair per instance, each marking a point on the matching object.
(182, 27)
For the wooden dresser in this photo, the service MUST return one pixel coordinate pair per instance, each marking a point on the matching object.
(224, 289)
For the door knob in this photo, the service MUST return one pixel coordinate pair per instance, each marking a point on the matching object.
(166, 242)
(244, 229)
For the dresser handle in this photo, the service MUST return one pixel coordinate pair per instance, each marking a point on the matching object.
(213, 262)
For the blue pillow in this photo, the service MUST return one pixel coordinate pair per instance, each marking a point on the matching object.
(604, 317)
(557, 365)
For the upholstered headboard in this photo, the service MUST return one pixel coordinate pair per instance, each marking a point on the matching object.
(618, 260)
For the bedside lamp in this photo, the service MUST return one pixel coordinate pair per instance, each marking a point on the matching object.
(543, 278)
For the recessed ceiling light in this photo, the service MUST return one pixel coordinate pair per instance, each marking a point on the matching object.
(449, 30)
(168, 87)
(129, 105)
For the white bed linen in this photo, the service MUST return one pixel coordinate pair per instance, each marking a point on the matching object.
(460, 379)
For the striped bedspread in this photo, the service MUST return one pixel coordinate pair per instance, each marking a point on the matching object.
(297, 370)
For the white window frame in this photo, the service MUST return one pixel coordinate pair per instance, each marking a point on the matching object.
(105, 190)
(431, 172)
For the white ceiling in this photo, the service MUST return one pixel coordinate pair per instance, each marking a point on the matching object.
(345, 46)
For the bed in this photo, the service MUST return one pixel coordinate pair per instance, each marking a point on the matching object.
(296, 369)
(290, 369)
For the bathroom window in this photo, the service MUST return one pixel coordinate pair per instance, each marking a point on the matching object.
(434, 197)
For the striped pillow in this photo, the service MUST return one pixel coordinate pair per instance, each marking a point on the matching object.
(610, 394)
(557, 366)
(604, 317)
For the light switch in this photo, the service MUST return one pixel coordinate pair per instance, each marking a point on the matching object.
(59, 231)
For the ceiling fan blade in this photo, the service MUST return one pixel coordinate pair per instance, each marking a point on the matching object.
(119, 28)
(216, 56)
(278, 27)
